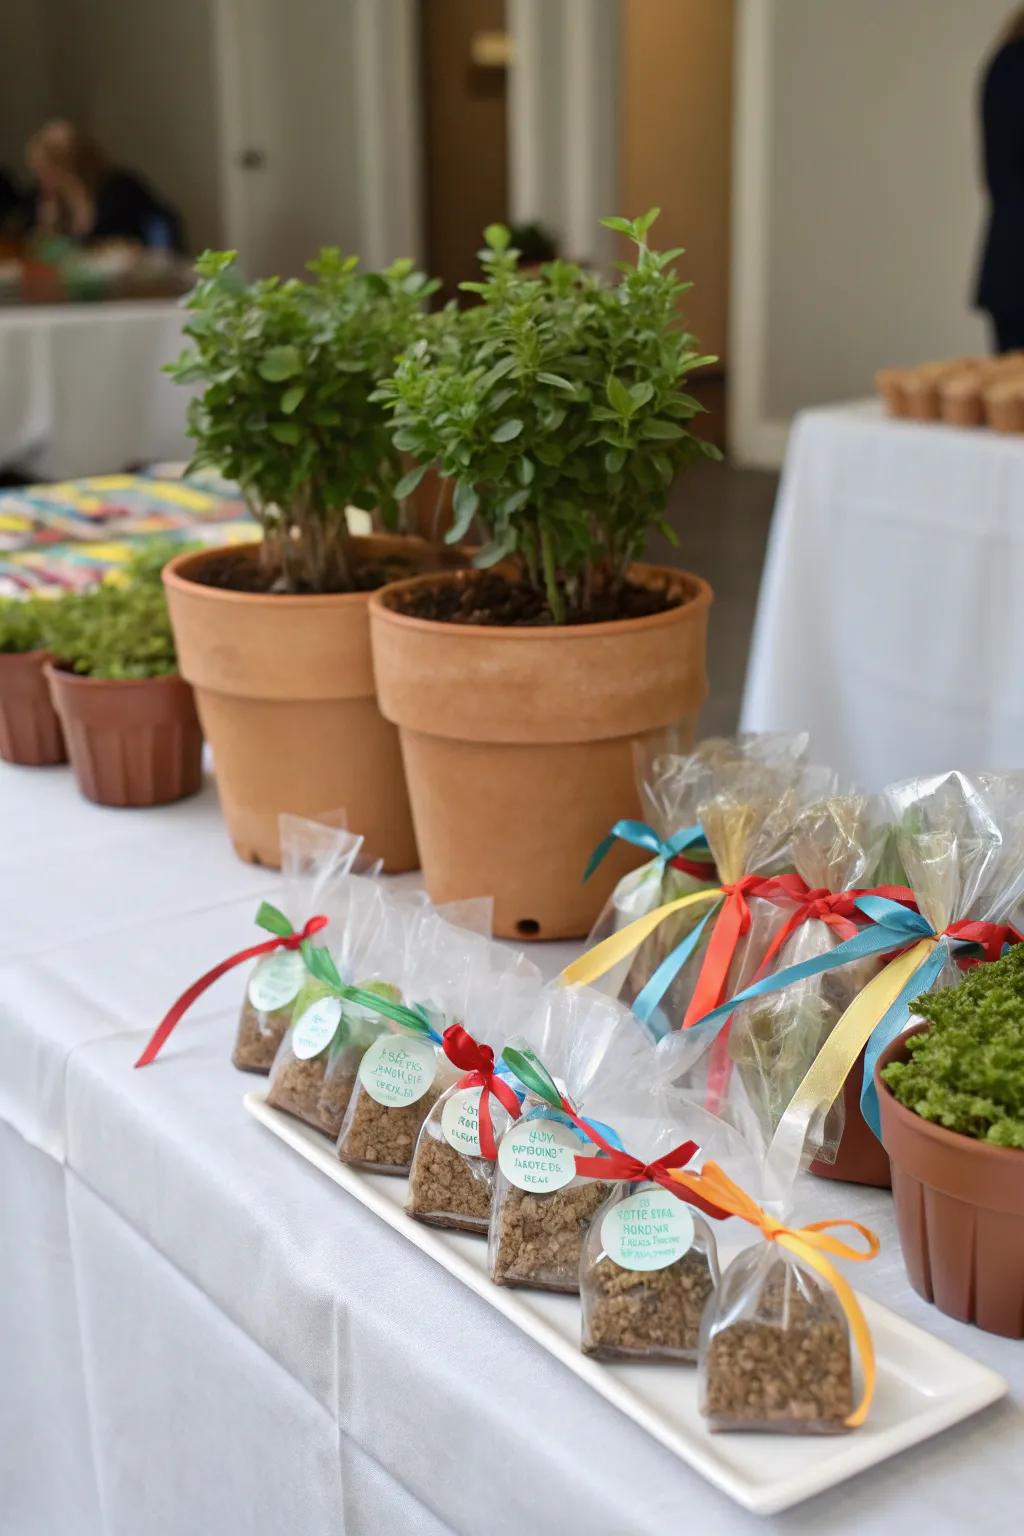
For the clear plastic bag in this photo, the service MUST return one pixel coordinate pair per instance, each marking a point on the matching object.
(837, 845)
(775, 1349)
(643, 1296)
(314, 854)
(672, 788)
(541, 1208)
(451, 1180)
(453, 974)
(320, 1051)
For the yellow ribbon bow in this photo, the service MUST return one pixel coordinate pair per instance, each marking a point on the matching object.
(813, 1244)
(597, 962)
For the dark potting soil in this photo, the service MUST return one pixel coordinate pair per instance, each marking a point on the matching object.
(489, 598)
(242, 571)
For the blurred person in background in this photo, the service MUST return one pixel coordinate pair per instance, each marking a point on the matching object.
(80, 195)
(1001, 281)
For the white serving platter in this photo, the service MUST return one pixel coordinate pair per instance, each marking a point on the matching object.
(923, 1385)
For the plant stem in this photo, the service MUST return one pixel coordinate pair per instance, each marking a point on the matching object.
(547, 555)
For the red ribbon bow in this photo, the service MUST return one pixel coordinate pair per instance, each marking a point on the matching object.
(732, 922)
(477, 1062)
(836, 908)
(187, 998)
(990, 936)
(617, 1164)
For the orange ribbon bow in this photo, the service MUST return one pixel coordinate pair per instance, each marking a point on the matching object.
(813, 1244)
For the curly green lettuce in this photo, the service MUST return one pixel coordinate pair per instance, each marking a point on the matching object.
(966, 1072)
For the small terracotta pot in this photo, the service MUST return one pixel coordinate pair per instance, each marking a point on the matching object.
(959, 1212)
(132, 741)
(284, 687)
(517, 745)
(30, 732)
(860, 1156)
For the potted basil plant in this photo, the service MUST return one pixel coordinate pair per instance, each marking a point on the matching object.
(30, 733)
(129, 719)
(951, 1096)
(556, 406)
(274, 636)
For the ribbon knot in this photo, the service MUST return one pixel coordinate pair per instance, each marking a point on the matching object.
(476, 1060)
(670, 850)
(814, 1244)
(285, 937)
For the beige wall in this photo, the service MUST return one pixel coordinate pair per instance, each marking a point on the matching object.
(675, 149)
(873, 206)
(27, 95)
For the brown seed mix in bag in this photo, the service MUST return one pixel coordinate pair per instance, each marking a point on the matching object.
(450, 1182)
(399, 1082)
(649, 1266)
(777, 1352)
(539, 1238)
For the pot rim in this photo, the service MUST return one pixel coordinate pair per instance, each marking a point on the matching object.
(175, 578)
(60, 672)
(701, 598)
(37, 657)
(954, 1141)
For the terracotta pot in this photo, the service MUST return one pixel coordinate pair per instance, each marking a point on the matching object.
(517, 745)
(284, 687)
(959, 1211)
(860, 1156)
(30, 732)
(132, 741)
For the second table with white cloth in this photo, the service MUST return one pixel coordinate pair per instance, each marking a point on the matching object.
(890, 623)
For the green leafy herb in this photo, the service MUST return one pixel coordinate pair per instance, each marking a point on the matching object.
(24, 624)
(967, 1071)
(556, 406)
(115, 631)
(287, 409)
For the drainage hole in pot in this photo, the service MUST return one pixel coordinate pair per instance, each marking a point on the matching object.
(528, 927)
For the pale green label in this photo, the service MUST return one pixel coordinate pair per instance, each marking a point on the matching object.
(276, 980)
(648, 1230)
(314, 1031)
(398, 1069)
(539, 1155)
(460, 1121)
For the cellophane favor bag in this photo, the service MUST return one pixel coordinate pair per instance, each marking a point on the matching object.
(586, 1045)
(445, 972)
(451, 1179)
(649, 1264)
(837, 847)
(314, 855)
(776, 1349)
(672, 787)
(316, 1061)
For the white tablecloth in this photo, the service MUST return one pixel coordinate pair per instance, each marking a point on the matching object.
(81, 392)
(890, 621)
(198, 1334)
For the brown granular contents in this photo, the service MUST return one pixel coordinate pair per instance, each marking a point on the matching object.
(647, 1314)
(540, 1236)
(259, 1035)
(383, 1138)
(445, 1191)
(793, 1375)
(333, 1100)
(296, 1088)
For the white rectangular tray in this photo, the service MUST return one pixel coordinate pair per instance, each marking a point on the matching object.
(924, 1386)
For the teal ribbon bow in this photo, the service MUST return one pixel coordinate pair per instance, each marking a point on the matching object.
(641, 835)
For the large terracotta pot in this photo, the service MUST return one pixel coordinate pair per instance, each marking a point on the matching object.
(30, 732)
(518, 745)
(133, 741)
(860, 1157)
(959, 1211)
(285, 692)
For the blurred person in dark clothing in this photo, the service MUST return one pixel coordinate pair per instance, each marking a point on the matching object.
(1001, 280)
(79, 194)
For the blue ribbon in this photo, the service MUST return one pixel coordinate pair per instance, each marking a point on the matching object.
(654, 989)
(548, 1112)
(892, 1023)
(643, 836)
